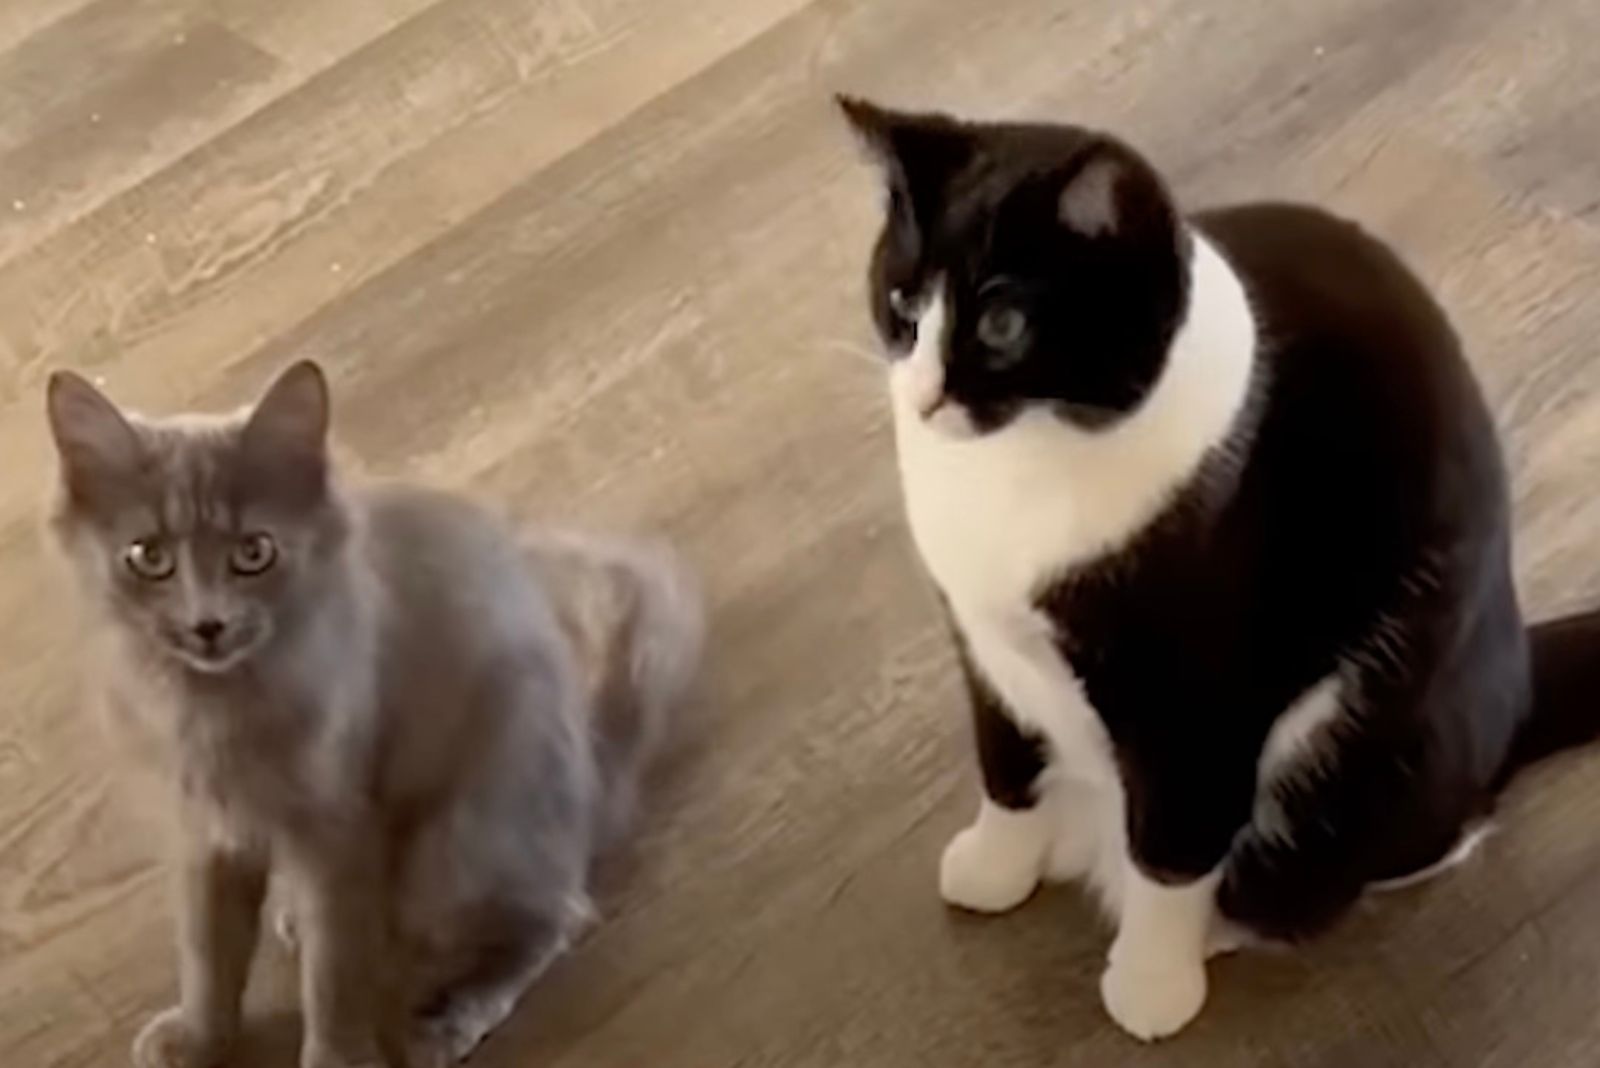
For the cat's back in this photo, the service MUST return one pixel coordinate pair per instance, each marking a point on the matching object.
(452, 574)
(1332, 301)
(1305, 265)
(1365, 386)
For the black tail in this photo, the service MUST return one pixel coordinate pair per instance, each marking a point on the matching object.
(1566, 689)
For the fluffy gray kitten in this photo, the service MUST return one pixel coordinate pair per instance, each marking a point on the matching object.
(420, 729)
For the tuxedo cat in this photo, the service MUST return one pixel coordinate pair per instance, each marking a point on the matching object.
(1219, 517)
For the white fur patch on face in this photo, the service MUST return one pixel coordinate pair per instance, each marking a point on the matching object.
(917, 381)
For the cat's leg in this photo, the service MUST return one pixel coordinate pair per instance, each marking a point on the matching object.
(1182, 814)
(493, 887)
(1365, 815)
(996, 863)
(220, 893)
(340, 917)
(280, 906)
(510, 951)
(284, 927)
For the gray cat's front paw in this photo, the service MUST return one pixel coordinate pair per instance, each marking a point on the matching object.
(286, 930)
(169, 1041)
(445, 1038)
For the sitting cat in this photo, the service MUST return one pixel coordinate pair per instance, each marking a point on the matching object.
(423, 730)
(1219, 516)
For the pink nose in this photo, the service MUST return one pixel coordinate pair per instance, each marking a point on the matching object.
(929, 408)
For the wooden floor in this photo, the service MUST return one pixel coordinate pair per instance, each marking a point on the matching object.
(601, 260)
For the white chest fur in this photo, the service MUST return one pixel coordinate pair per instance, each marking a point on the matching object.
(996, 517)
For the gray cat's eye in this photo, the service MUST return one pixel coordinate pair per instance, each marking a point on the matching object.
(253, 554)
(1002, 327)
(150, 559)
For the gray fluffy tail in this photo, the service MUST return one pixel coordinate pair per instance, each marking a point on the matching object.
(636, 619)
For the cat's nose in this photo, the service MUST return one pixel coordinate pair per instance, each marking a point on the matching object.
(209, 630)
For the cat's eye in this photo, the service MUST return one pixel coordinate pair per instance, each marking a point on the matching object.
(253, 554)
(150, 559)
(1002, 327)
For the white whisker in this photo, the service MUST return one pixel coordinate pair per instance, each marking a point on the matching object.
(854, 349)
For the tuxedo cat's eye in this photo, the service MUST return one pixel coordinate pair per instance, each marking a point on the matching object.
(150, 559)
(253, 554)
(1002, 327)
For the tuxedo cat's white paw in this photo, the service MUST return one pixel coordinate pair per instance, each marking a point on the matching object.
(979, 878)
(1152, 999)
(995, 864)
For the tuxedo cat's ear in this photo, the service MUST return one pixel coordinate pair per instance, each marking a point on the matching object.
(1111, 192)
(285, 440)
(98, 447)
(871, 124)
(1088, 203)
(919, 153)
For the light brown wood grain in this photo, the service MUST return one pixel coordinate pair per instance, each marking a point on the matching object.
(601, 261)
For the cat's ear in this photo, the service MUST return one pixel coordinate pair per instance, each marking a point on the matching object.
(873, 126)
(1110, 192)
(284, 444)
(98, 447)
(919, 153)
(1088, 202)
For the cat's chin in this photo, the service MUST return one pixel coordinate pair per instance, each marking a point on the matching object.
(203, 664)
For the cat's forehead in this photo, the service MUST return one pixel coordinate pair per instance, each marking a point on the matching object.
(190, 476)
(988, 231)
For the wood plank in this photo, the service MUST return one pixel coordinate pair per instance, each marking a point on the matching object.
(152, 108)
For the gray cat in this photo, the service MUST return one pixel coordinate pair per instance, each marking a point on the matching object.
(422, 730)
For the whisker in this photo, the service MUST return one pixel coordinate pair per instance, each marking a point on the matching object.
(853, 349)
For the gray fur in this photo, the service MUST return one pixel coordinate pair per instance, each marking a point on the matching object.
(423, 730)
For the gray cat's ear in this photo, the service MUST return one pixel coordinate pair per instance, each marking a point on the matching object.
(285, 439)
(97, 445)
(293, 413)
(1088, 203)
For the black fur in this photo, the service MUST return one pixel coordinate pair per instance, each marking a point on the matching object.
(1357, 525)
(1010, 758)
(989, 220)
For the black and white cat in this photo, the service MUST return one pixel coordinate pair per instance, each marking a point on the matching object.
(1220, 519)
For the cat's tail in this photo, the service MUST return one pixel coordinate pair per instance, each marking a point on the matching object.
(1566, 689)
(636, 618)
